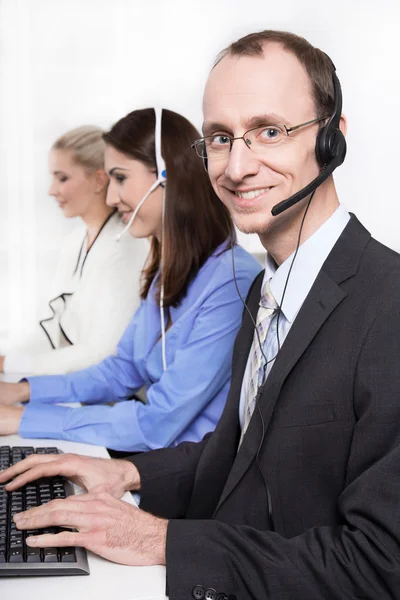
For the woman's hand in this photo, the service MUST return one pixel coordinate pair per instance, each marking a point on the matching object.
(10, 418)
(93, 474)
(13, 393)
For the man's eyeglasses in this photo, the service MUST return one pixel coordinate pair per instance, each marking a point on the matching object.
(257, 139)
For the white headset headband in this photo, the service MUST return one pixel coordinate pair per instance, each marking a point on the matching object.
(161, 170)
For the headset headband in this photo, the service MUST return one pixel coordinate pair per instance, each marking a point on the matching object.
(161, 170)
(337, 95)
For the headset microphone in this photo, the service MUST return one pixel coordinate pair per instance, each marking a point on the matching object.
(135, 212)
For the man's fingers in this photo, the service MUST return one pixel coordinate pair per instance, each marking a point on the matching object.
(60, 540)
(62, 504)
(35, 467)
(81, 505)
(25, 464)
(49, 469)
(60, 517)
(102, 498)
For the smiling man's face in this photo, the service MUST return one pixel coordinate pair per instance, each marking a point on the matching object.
(273, 89)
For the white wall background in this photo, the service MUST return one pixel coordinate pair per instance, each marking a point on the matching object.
(63, 64)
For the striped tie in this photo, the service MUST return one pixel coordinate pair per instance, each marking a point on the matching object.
(266, 312)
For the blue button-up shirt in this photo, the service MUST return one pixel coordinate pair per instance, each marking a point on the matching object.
(184, 402)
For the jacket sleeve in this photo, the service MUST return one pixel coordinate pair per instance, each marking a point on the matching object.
(358, 559)
(167, 477)
(201, 368)
(115, 299)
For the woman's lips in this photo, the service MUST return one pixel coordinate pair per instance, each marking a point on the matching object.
(126, 216)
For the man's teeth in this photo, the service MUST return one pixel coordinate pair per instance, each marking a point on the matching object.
(252, 194)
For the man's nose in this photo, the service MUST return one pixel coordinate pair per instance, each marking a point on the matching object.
(242, 162)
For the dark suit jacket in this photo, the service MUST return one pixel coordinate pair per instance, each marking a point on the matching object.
(330, 455)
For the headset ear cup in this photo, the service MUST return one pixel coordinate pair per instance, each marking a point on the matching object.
(321, 147)
(330, 144)
(340, 146)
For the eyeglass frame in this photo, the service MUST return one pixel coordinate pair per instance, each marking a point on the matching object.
(242, 137)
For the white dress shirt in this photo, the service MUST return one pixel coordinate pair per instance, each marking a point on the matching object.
(309, 260)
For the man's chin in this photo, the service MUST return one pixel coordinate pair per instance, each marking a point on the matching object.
(258, 224)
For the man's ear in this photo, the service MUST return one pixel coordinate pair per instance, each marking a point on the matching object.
(101, 181)
(343, 125)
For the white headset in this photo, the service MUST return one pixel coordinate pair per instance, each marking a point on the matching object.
(161, 171)
(161, 180)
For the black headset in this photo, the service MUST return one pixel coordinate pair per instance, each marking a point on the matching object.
(331, 142)
(330, 150)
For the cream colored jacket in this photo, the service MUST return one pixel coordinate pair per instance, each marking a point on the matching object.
(92, 298)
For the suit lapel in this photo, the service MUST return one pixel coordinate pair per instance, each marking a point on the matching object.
(325, 295)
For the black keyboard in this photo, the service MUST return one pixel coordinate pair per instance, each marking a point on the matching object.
(16, 558)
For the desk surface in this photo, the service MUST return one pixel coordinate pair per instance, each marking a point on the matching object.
(106, 580)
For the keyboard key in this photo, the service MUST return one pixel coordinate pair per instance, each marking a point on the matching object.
(67, 555)
(16, 555)
(50, 555)
(60, 494)
(33, 555)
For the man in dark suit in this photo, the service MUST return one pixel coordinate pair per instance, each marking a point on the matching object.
(296, 493)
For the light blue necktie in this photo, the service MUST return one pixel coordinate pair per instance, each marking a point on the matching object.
(265, 315)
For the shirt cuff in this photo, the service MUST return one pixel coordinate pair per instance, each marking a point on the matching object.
(47, 389)
(136, 498)
(43, 421)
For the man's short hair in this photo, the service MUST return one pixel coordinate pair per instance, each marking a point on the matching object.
(316, 63)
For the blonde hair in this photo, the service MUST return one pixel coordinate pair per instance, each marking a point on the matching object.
(87, 146)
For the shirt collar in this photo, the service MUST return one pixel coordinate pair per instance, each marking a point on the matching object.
(310, 257)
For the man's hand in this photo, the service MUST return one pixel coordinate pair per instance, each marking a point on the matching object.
(10, 418)
(111, 528)
(2, 364)
(12, 393)
(93, 474)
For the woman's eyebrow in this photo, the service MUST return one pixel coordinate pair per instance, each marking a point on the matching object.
(111, 171)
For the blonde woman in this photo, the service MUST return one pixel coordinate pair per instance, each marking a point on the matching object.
(96, 287)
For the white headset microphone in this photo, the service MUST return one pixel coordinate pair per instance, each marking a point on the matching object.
(161, 180)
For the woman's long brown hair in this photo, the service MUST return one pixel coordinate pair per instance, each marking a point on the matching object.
(196, 221)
